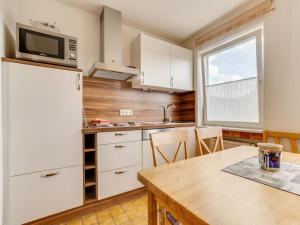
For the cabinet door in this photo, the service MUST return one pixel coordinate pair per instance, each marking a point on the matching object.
(155, 62)
(191, 143)
(118, 181)
(104, 138)
(119, 155)
(36, 195)
(181, 68)
(43, 118)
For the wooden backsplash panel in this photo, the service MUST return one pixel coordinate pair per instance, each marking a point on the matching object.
(103, 99)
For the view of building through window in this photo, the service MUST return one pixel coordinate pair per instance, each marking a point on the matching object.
(231, 83)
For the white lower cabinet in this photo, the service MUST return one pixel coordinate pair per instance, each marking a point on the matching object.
(119, 155)
(118, 181)
(119, 161)
(118, 136)
(36, 195)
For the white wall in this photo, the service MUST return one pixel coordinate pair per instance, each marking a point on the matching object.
(1, 110)
(128, 35)
(71, 21)
(281, 94)
(282, 71)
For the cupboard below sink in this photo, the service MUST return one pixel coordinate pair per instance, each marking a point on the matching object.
(120, 155)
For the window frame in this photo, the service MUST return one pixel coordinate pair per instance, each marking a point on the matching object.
(234, 41)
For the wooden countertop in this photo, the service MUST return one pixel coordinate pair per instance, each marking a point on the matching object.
(196, 191)
(141, 127)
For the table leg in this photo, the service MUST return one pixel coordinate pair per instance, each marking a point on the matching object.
(152, 209)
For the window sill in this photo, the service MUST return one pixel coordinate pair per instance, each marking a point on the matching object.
(260, 131)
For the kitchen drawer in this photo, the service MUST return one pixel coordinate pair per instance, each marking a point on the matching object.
(33, 196)
(119, 155)
(118, 136)
(118, 181)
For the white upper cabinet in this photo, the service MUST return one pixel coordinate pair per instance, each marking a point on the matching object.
(152, 57)
(181, 68)
(155, 62)
(163, 66)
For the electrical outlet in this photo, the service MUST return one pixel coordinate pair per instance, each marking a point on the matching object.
(122, 112)
(126, 112)
(129, 112)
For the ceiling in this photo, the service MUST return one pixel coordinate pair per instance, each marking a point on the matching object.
(176, 20)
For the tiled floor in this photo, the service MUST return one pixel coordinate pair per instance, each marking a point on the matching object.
(133, 212)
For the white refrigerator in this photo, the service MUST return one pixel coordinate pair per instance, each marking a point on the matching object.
(42, 141)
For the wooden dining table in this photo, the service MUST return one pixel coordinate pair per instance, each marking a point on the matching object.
(196, 191)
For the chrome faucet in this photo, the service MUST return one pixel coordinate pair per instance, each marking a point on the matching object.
(166, 116)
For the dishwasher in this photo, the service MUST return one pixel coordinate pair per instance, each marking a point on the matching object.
(169, 150)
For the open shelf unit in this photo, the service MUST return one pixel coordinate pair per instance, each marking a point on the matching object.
(90, 175)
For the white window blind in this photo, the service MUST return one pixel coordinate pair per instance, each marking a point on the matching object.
(231, 81)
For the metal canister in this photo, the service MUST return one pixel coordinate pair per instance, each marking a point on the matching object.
(269, 156)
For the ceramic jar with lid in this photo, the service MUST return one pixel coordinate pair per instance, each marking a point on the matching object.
(269, 156)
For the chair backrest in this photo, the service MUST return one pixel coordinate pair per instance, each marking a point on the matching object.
(207, 133)
(292, 137)
(167, 138)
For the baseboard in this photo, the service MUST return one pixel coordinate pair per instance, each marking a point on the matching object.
(89, 208)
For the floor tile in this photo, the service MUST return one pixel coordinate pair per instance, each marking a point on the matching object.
(127, 223)
(103, 215)
(75, 222)
(116, 210)
(108, 221)
(141, 210)
(90, 219)
(132, 214)
(138, 202)
(139, 221)
(128, 206)
(120, 219)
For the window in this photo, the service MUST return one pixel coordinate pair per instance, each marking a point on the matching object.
(232, 73)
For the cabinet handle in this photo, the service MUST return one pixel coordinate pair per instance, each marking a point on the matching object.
(120, 172)
(78, 82)
(120, 134)
(142, 77)
(120, 146)
(171, 81)
(50, 175)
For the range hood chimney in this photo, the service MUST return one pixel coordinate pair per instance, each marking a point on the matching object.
(110, 65)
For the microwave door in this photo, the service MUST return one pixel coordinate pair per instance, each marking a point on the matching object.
(42, 45)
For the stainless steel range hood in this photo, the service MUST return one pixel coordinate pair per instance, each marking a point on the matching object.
(110, 65)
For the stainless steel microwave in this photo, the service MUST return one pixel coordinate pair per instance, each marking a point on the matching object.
(45, 46)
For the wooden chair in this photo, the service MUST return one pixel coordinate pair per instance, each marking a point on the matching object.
(207, 133)
(167, 138)
(292, 137)
(162, 139)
